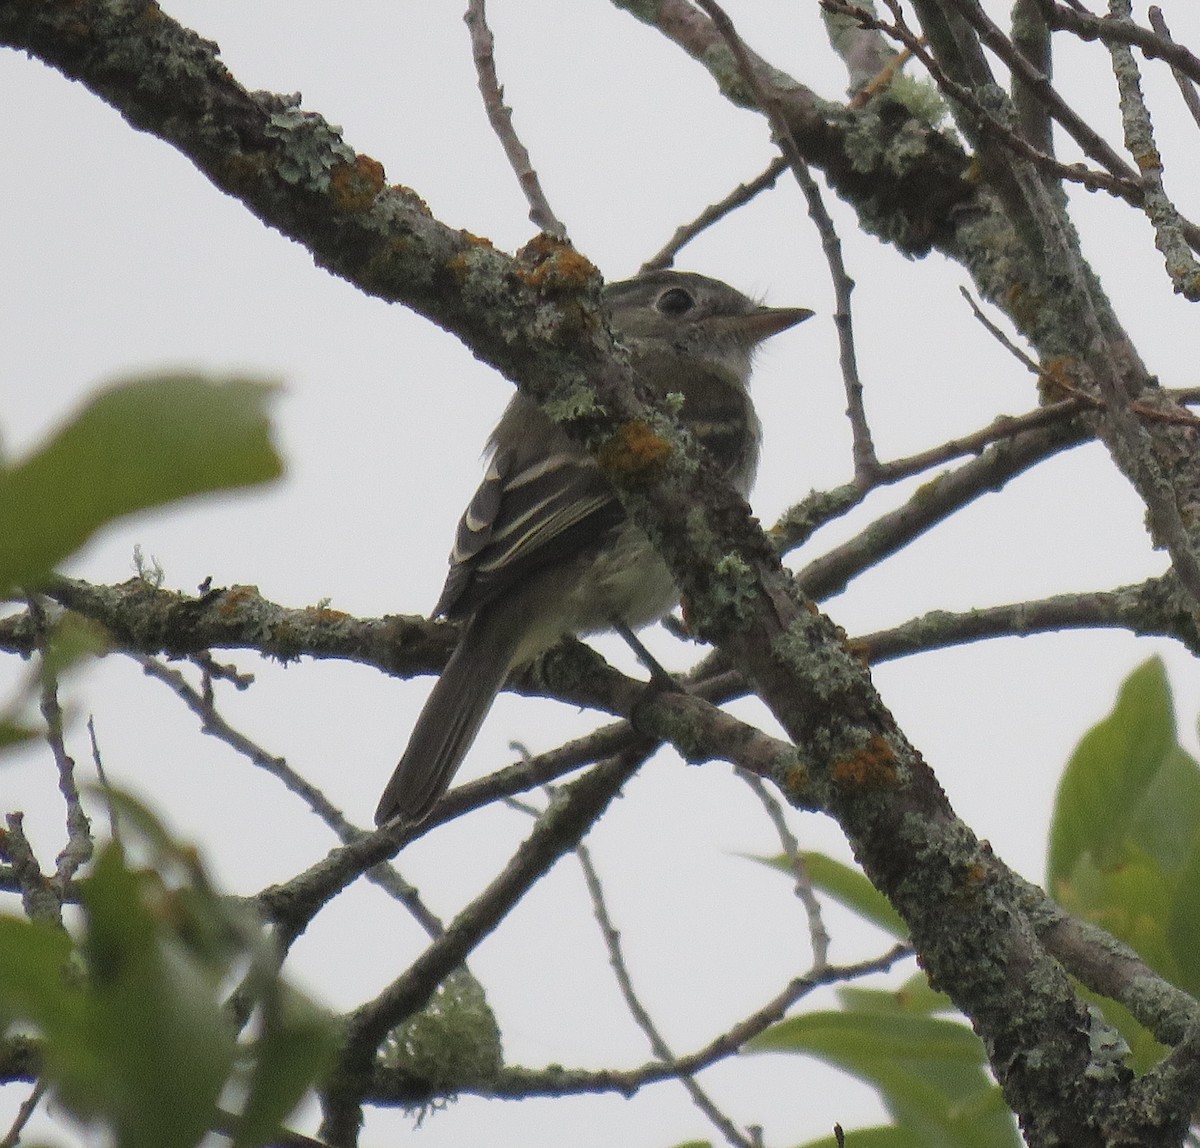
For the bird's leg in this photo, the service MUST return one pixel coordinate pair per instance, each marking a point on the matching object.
(659, 677)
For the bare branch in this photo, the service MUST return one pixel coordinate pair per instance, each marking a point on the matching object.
(803, 886)
(559, 1081)
(1031, 41)
(212, 722)
(39, 899)
(870, 60)
(77, 852)
(1157, 606)
(25, 1111)
(1042, 435)
(1118, 30)
(1123, 185)
(1169, 230)
(1187, 88)
(500, 117)
(559, 830)
(742, 194)
(1037, 84)
(999, 335)
(865, 461)
(642, 1018)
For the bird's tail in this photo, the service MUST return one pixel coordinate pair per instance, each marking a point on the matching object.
(451, 718)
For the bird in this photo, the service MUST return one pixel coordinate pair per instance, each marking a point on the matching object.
(545, 549)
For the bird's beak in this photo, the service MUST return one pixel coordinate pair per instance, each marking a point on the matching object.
(768, 321)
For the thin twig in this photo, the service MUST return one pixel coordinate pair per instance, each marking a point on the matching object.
(997, 334)
(1036, 82)
(1122, 187)
(500, 117)
(515, 1083)
(1187, 88)
(740, 195)
(865, 461)
(1154, 607)
(114, 824)
(559, 830)
(78, 849)
(385, 876)
(818, 935)
(1110, 30)
(28, 1106)
(1169, 235)
(641, 1017)
(748, 1028)
(1034, 436)
(934, 502)
(881, 81)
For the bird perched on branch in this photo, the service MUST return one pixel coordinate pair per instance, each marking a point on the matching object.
(545, 548)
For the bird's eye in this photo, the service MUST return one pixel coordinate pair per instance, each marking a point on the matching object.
(675, 301)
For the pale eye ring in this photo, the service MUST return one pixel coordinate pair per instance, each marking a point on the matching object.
(675, 301)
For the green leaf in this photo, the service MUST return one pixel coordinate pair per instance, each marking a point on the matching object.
(848, 886)
(1125, 840)
(138, 1039)
(155, 1027)
(72, 638)
(1128, 785)
(914, 997)
(1183, 922)
(882, 1136)
(929, 1072)
(13, 734)
(33, 957)
(136, 445)
(297, 1045)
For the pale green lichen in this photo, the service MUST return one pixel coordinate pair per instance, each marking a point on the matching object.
(573, 402)
(1109, 1051)
(454, 1042)
(312, 147)
(738, 588)
(873, 143)
(920, 97)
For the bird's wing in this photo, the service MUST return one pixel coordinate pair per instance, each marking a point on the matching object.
(526, 513)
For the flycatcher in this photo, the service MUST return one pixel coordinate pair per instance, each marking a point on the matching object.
(545, 549)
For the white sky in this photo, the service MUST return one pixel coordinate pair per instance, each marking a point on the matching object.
(116, 256)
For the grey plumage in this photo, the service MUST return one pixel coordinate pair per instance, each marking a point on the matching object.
(544, 548)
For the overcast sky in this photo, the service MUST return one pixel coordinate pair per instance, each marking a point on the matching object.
(117, 257)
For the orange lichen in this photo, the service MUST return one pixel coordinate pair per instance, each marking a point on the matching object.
(355, 185)
(234, 597)
(325, 614)
(459, 265)
(552, 265)
(795, 781)
(871, 767)
(859, 650)
(634, 450)
(1148, 160)
(411, 198)
(977, 874)
(1057, 378)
